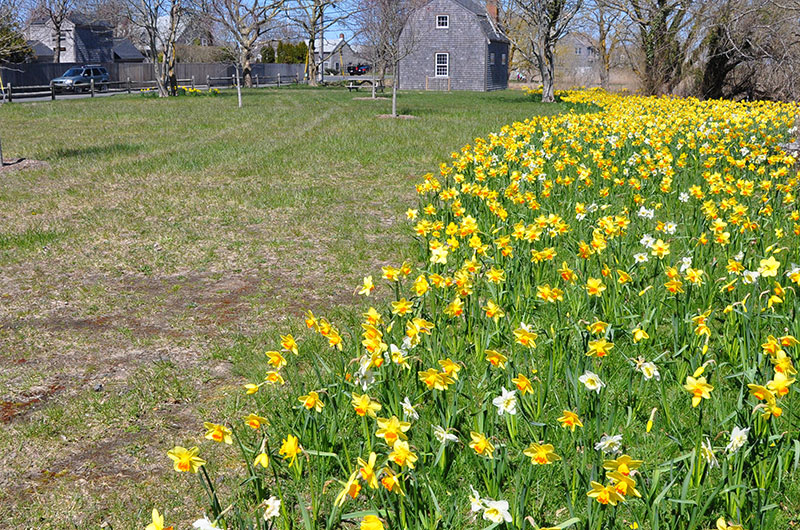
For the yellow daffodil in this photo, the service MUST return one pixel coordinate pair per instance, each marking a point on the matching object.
(185, 460)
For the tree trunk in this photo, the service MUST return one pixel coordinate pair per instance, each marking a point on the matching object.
(604, 71)
(57, 51)
(546, 71)
(238, 88)
(394, 89)
(173, 78)
(247, 71)
(312, 63)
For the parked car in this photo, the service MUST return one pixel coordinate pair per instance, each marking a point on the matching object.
(79, 78)
(359, 69)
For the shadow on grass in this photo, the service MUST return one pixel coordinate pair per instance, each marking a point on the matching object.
(98, 150)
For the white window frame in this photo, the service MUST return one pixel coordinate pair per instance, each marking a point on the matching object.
(446, 22)
(446, 64)
(503, 59)
(492, 58)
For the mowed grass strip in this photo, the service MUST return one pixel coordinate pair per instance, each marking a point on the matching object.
(166, 245)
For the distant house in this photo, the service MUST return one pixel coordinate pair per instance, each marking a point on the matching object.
(83, 40)
(41, 52)
(125, 52)
(577, 61)
(338, 55)
(454, 45)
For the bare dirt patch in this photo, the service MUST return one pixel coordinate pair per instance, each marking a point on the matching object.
(19, 164)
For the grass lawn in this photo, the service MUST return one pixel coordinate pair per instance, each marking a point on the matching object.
(167, 244)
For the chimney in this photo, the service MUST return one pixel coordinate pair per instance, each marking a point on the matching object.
(491, 9)
(341, 36)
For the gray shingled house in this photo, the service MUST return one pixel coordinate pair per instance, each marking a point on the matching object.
(454, 45)
(83, 40)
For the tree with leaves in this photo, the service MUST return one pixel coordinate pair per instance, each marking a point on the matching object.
(13, 46)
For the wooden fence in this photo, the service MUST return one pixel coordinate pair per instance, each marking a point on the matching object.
(12, 92)
(40, 74)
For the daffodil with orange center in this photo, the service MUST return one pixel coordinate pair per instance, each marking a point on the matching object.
(496, 358)
(598, 327)
(365, 405)
(391, 481)
(595, 287)
(367, 471)
(698, 388)
(288, 343)
(218, 433)
(570, 420)
(605, 494)
(599, 348)
(523, 384)
(481, 445)
(185, 460)
(392, 430)
(450, 367)
(255, 421)
(541, 454)
(402, 455)
(351, 489)
(276, 359)
(312, 401)
(624, 464)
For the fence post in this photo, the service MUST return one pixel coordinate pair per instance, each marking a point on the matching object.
(279, 80)
(256, 80)
(10, 93)
(208, 82)
(91, 86)
(128, 84)
(52, 92)
(192, 82)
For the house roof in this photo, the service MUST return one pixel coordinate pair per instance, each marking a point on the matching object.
(40, 49)
(479, 10)
(79, 19)
(124, 50)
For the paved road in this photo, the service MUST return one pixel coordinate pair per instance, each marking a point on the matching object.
(65, 96)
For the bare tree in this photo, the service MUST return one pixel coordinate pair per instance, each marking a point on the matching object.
(245, 21)
(388, 37)
(538, 26)
(665, 31)
(312, 18)
(56, 12)
(158, 21)
(602, 26)
(748, 48)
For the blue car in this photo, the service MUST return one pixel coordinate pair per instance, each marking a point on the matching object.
(79, 78)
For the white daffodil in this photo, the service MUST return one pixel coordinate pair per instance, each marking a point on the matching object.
(609, 444)
(738, 439)
(496, 511)
(272, 508)
(408, 409)
(592, 381)
(443, 436)
(506, 402)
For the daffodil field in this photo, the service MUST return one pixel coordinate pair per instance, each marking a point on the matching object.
(600, 333)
